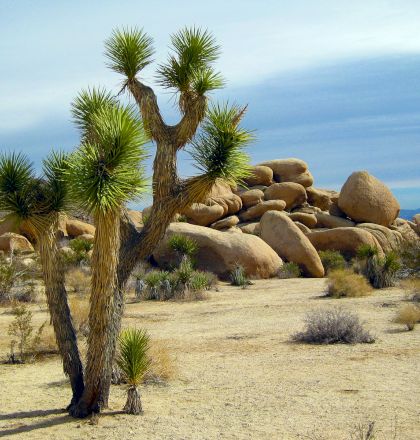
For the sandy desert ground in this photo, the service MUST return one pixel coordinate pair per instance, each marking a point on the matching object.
(239, 376)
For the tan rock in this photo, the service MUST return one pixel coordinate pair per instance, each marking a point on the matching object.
(204, 215)
(227, 222)
(258, 210)
(250, 228)
(307, 209)
(319, 198)
(252, 197)
(344, 240)
(290, 170)
(87, 237)
(136, 217)
(308, 220)
(10, 241)
(76, 227)
(279, 231)
(389, 240)
(261, 175)
(292, 193)
(220, 252)
(9, 224)
(232, 230)
(366, 199)
(302, 227)
(335, 210)
(331, 221)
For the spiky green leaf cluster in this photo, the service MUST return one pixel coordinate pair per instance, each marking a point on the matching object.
(28, 197)
(107, 171)
(218, 150)
(87, 103)
(133, 359)
(129, 50)
(189, 69)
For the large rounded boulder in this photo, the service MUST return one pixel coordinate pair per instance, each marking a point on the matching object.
(11, 242)
(258, 210)
(260, 175)
(221, 252)
(366, 199)
(292, 193)
(279, 231)
(76, 227)
(290, 170)
(344, 240)
(204, 215)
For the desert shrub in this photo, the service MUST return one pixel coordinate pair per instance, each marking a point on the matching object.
(409, 315)
(133, 361)
(412, 286)
(22, 332)
(162, 365)
(238, 277)
(332, 326)
(381, 272)
(184, 247)
(410, 256)
(332, 260)
(79, 308)
(80, 253)
(79, 279)
(289, 270)
(11, 273)
(346, 283)
(155, 282)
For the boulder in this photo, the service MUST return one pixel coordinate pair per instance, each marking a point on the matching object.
(366, 199)
(76, 227)
(260, 175)
(331, 221)
(319, 198)
(9, 224)
(279, 231)
(250, 228)
(221, 252)
(252, 197)
(308, 220)
(290, 170)
(231, 203)
(14, 242)
(204, 215)
(335, 210)
(344, 240)
(388, 239)
(302, 227)
(226, 222)
(258, 210)
(292, 193)
(136, 217)
(307, 209)
(232, 229)
(87, 237)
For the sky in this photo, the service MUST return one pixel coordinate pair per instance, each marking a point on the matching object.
(333, 82)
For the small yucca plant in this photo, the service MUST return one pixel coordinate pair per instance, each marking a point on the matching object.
(238, 277)
(133, 361)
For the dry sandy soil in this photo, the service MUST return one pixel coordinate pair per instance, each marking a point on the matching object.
(239, 376)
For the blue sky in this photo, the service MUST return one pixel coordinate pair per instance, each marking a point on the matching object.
(336, 83)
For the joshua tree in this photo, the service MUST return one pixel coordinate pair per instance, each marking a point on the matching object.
(104, 173)
(217, 150)
(36, 203)
(133, 363)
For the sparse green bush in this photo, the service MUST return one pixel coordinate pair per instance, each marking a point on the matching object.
(12, 274)
(381, 272)
(238, 277)
(410, 256)
(80, 254)
(133, 361)
(21, 329)
(332, 326)
(184, 247)
(332, 260)
(346, 283)
(409, 315)
(289, 270)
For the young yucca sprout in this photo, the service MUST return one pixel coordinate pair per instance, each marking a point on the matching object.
(133, 362)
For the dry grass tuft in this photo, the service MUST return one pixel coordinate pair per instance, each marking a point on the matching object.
(346, 283)
(162, 363)
(79, 308)
(409, 315)
(78, 279)
(412, 286)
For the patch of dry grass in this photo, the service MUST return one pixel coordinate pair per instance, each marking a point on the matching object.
(408, 315)
(78, 279)
(346, 283)
(79, 308)
(162, 363)
(412, 286)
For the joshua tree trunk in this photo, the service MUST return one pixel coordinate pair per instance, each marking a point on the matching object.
(133, 404)
(170, 196)
(102, 314)
(59, 310)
